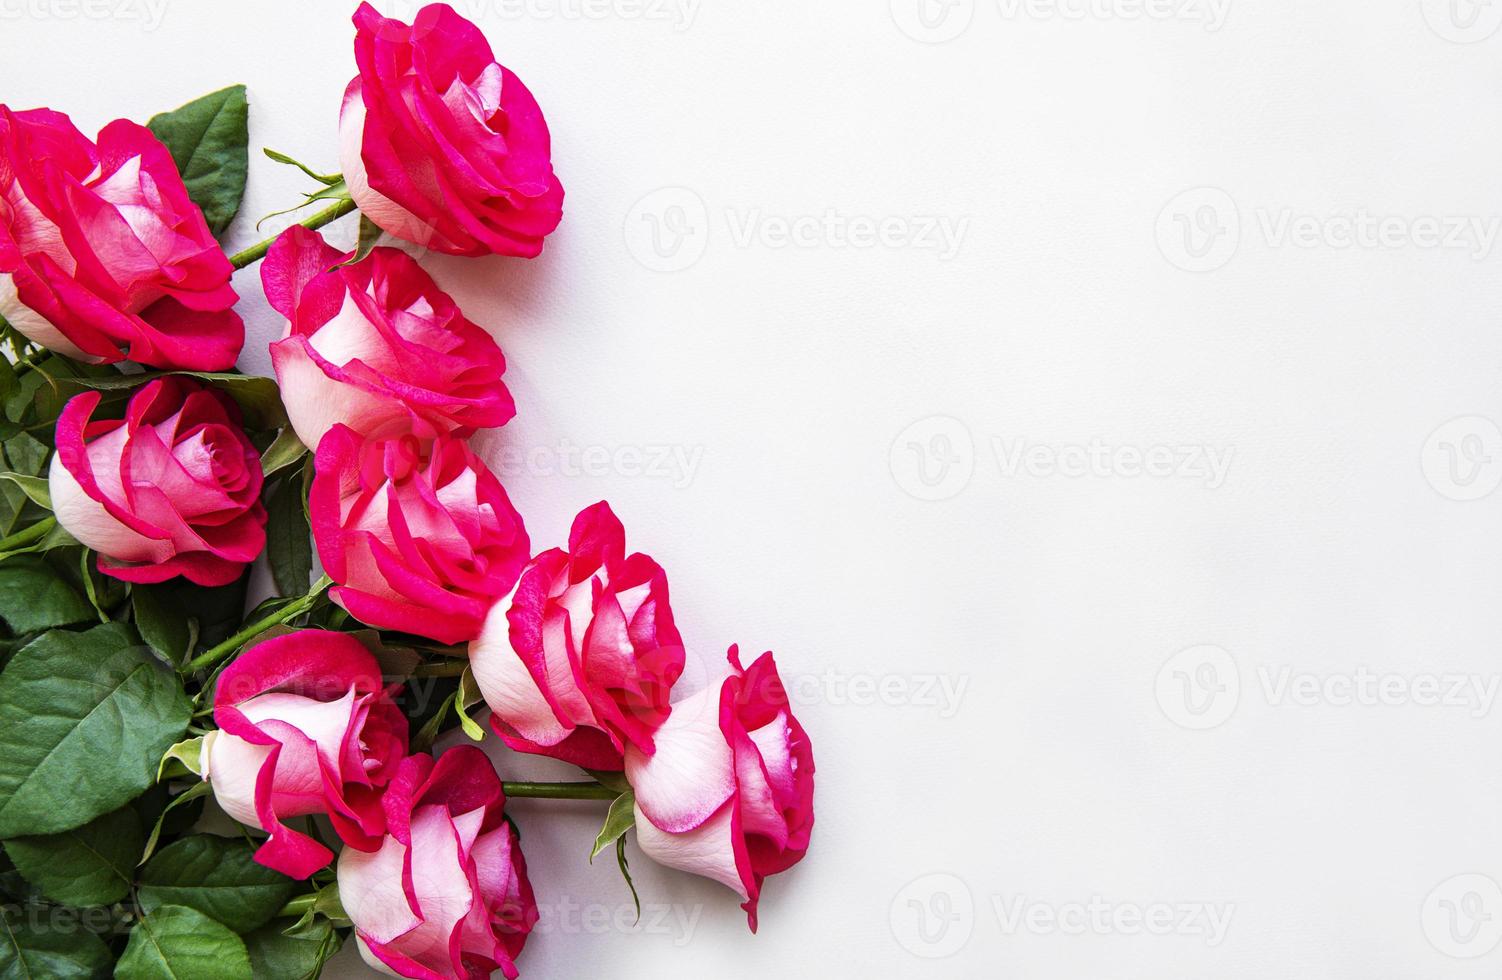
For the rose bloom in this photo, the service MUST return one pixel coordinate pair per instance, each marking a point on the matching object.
(376, 345)
(174, 488)
(102, 254)
(441, 145)
(578, 662)
(422, 540)
(446, 895)
(729, 794)
(305, 726)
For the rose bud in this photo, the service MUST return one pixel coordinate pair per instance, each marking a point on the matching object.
(418, 540)
(440, 144)
(578, 662)
(729, 794)
(305, 726)
(174, 488)
(446, 895)
(376, 343)
(102, 254)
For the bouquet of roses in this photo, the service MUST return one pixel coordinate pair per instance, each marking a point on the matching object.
(141, 477)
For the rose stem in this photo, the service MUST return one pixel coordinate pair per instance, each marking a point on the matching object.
(290, 611)
(31, 535)
(258, 251)
(559, 791)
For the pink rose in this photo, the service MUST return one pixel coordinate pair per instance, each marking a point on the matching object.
(577, 663)
(376, 343)
(172, 489)
(446, 895)
(440, 144)
(305, 726)
(419, 540)
(102, 254)
(729, 794)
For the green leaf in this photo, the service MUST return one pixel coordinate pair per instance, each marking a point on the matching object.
(99, 591)
(337, 191)
(33, 596)
(219, 877)
(188, 756)
(84, 720)
(469, 695)
(329, 179)
(423, 740)
(286, 450)
(620, 818)
(33, 486)
(370, 233)
(30, 949)
(43, 536)
(164, 626)
(217, 611)
(27, 455)
(176, 943)
(194, 792)
(274, 955)
(326, 906)
(259, 399)
(620, 860)
(209, 139)
(89, 865)
(12, 502)
(289, 548)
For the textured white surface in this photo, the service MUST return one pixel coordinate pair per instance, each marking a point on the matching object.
(1050, 146)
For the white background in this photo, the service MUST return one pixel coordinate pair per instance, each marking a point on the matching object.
(803, 381)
